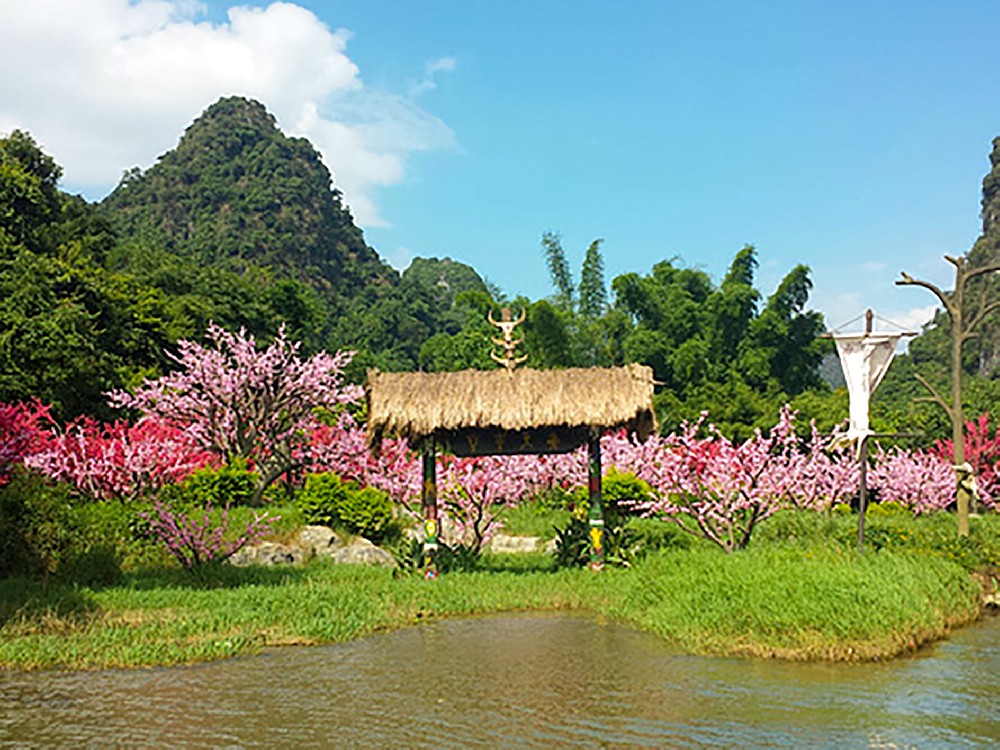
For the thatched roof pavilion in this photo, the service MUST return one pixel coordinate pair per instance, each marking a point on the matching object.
(525, 403)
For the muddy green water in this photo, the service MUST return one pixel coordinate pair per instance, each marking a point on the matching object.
(518, 681)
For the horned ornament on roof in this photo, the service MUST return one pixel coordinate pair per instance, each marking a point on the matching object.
(506, 324)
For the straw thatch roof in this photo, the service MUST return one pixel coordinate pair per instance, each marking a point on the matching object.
(418, 405)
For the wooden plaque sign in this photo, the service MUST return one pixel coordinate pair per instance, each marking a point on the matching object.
(488, 442)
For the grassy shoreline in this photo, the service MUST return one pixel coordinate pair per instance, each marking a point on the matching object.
(786, 601)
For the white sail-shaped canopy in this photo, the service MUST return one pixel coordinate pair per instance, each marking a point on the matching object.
(865, 358)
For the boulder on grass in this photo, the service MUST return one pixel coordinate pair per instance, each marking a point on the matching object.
(362, 552)
(268, 553)
(510, 544)
(318, 541)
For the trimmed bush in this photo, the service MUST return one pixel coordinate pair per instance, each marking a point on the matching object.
(364, 511)
(232, 484)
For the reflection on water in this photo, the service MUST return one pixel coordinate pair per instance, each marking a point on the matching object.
(518, 681)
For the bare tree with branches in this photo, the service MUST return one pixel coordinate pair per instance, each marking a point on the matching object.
(963, 328)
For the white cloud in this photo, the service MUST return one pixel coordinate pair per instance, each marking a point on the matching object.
(105, 85)
(912, 319)
(431, 70)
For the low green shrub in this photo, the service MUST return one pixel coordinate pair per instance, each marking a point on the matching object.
(232, 484)
(888, 509)
(448, 558)
(365, 511)
(36, 525)
(321, 500)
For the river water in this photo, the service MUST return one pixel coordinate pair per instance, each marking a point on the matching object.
(517, 681)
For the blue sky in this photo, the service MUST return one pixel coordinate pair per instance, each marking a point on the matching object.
(849, 136)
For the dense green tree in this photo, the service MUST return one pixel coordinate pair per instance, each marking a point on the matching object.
(548, 336)
(782, 343)
(69, 328)
(470, 346)
(562, 279)
(711, 349)
(732, 309)
(580, 313)
(593, 291)
(29, 198)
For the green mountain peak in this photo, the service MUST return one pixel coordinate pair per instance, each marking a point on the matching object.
(236, 192)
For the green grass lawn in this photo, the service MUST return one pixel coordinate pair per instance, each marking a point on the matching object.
(793, 600)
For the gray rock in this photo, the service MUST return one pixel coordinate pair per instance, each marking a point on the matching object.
(268, 553)
(362, 552)
(310, 542)
(318, 541)
(509, 544)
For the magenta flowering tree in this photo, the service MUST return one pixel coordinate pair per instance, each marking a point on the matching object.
(117, 460)
(474, 492)
(983, 453)
(717, 489)
(919, 480)
(23, 430)
(241, 401)
(817, 476)
(194, 541)
(342, 448)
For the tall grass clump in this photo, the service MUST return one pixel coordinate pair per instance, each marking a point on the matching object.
(819, 601)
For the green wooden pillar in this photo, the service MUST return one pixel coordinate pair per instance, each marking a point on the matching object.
(428, 497)
(596, 515)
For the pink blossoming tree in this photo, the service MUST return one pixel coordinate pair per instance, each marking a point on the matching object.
(241, 401)
(23, 429)
(717, 489)
(194, 541)
(105, 461)
(342, 448)
(919, 480)
(474, 492)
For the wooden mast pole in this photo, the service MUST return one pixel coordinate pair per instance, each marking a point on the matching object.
(863, 458)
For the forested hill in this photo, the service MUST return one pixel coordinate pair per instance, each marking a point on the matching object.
(239, 225)
(990, 241)
(986, 251)
(236, 190)
(981, 354)
(247, 226)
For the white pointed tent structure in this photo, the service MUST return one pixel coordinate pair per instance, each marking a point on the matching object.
(865, 359)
